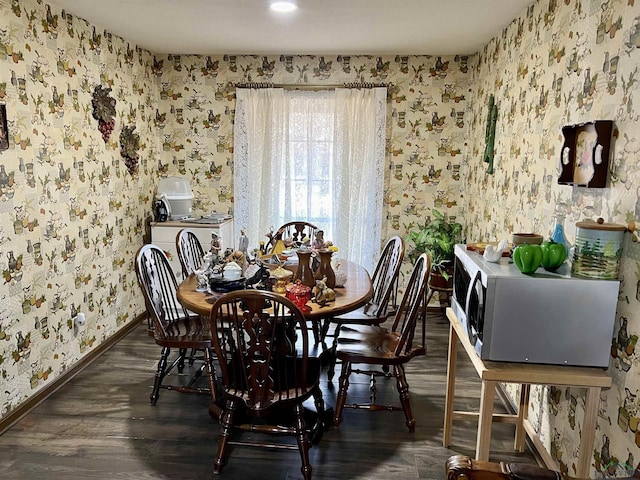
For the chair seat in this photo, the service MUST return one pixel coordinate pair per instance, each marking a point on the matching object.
(186, 341)
(378, 348)
(186, 333)
(362, 316)
(348, 331)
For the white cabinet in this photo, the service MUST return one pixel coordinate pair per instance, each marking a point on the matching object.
(163, 234)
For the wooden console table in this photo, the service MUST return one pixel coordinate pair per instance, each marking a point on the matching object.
(490, 373)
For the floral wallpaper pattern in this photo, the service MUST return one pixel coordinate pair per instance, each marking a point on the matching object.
(564, 63)
(72, 216)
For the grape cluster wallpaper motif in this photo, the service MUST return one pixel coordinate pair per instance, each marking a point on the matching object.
(72, 215)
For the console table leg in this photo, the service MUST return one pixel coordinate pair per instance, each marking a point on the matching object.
(451, 386)
(588, 431)
(523, 413)
(487, 396)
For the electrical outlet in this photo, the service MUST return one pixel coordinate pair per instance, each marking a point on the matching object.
(80, 320)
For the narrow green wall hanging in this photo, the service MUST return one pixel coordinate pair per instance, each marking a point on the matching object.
(490, 134)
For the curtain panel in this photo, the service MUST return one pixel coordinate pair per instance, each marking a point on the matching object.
(334, 138)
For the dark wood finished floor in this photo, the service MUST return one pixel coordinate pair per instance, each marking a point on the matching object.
(101, 426)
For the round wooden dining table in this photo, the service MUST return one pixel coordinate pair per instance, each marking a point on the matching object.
(355, 293)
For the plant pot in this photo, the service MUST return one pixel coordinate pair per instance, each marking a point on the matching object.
(437, 281)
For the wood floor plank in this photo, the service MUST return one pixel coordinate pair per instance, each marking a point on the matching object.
(101, 426)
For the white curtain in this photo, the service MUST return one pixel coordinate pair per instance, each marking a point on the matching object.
(336, 141)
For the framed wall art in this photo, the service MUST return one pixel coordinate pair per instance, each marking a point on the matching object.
(584, 160)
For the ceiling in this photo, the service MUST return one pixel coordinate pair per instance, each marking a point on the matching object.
(348, 27)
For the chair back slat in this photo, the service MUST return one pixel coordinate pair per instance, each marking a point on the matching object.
(385, 277)
(159, 287)
(410, 310)
(295, 231)
(190, 251)
(255, 332)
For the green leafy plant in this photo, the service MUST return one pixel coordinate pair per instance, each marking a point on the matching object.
(437, 238)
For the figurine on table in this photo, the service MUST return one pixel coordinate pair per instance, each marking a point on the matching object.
(318, 242)
(243, 243)
(216, 244)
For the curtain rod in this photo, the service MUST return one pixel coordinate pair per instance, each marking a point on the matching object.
(303, 86)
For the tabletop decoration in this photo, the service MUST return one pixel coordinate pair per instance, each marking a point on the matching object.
(339, 272)
(299, 294)
(322, 294)
(258, 276)
(325, 270)
(282, 278)
(205, 271)
(304, 273)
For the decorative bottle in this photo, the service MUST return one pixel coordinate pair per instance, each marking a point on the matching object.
(557, 232)
(304, 272)
(325, 269)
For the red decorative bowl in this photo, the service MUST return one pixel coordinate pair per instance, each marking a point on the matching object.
(299, 294)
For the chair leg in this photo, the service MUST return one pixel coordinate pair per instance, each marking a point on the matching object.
(211, 374)
(326, 323)
(342, 392)
(403, 390)
(303, 442)
(181, 358)
(225, 432)
(160, 373)
(325, 415)
(331, 370)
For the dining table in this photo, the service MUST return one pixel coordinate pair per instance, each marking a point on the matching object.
(356, 292)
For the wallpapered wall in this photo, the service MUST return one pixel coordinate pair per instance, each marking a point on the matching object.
(72, 217)
(563, 63)
(426, 131)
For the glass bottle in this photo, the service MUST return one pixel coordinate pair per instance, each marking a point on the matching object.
(557, 231)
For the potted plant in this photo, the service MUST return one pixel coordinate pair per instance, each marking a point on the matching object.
(437, 238)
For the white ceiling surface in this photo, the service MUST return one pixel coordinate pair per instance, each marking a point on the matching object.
(348, 27)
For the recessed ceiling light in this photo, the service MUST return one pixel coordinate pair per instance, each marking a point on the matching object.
(283, 5)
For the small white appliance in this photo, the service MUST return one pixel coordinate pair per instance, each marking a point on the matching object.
(546, 317)
(177, 194)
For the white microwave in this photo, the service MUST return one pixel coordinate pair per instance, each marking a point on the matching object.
(547, 317)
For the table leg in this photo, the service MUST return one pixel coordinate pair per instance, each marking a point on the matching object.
(487, 396)
(451, 386)
(523, 413)
(316, 328)
(588, 431)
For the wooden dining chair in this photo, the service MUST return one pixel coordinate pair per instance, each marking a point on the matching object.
(296, 231)
(174, 327)
(461, 467)
(379, 308)
(190, 251)
(391, 348)
(262, 342)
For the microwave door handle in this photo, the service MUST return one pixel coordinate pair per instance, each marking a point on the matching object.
(477, 278)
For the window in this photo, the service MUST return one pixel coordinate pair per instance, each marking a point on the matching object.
(314, 156)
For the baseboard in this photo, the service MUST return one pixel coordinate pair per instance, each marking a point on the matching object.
(32, 402)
